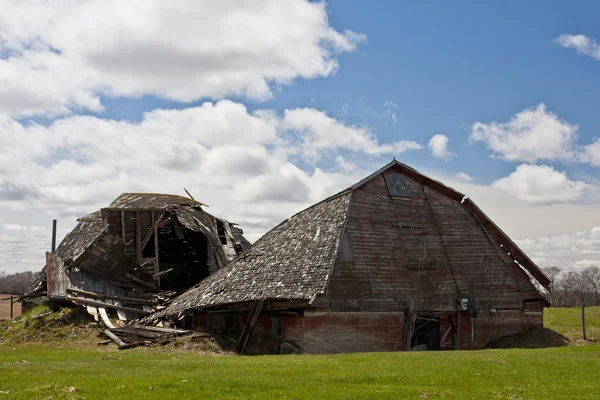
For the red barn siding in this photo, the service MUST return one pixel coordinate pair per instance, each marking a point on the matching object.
(345, 332)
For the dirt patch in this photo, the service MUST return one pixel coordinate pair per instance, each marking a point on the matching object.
(5, 307)
(537, 338)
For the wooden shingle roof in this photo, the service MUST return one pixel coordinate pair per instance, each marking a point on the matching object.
(292, 262)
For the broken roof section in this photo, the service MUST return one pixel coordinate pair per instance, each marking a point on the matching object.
(293, 261)
(140, 245)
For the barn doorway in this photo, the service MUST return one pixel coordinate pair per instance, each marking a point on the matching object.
(426, 335)
(183, 256)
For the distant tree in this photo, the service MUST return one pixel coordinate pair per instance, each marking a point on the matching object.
(591, 276)
(553, 274)
(16, 283)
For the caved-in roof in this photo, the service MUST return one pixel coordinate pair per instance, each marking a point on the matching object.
(292, 261)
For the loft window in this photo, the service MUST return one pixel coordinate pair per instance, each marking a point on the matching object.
(396, 184)
(277, 326)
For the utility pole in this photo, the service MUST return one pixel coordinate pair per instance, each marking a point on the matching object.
(53, 235)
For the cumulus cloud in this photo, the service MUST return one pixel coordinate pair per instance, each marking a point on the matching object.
(530, 135)
(57, 56)
(23, 247)
(317, 132)
(591, 153)
(438, 145)
(223, 154)
(571, 250)
(581, 44)
(541, 184)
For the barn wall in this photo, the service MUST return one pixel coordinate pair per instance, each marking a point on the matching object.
(314, 332)
(345, 332)
(505, 322)
(439, 254)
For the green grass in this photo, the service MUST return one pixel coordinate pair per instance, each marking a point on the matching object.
(567, 321)
(557, 373)
(42, 371)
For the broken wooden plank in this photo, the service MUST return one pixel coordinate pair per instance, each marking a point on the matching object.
(92, 311)
(131, 300)
(105, 318)
(250, 325)
(95, 303)
(122, 345)
(163, 272)
(120, 313)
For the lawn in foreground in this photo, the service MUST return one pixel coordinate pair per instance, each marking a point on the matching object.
(556, 373)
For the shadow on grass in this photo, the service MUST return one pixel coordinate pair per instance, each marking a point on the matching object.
(537, 338)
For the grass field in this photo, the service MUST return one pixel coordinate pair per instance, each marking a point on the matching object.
(30, 371)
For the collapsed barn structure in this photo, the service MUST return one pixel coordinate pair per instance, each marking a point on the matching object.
(131, 257)
(397, 261)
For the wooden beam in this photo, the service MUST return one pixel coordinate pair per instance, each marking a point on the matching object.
(250, 325)
(122, 345)
(123, 226)
(159, 274)
(79, 300)
(130, 300)
(156, 261)
(138, 238)
(141, 282)
(151, 231)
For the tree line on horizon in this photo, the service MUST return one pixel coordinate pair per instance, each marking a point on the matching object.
(573, 288)
(16, 283)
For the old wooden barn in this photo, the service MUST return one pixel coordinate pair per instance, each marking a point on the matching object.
(397, 261)
(136, 253)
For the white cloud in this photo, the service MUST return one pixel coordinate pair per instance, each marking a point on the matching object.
(530, 135)
(538, 184)
(224, 155)
(463, 176)
(581, 44)
(571, 250)
(318, 132)
(591, 153)
(23, 247)
(438, 145)
(60, 55)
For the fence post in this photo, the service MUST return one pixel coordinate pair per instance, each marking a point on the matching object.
(11, 306)
(583, 320)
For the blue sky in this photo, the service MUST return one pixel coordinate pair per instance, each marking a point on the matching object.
(264, 107)
(445, 65)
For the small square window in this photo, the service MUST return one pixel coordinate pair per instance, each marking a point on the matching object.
(396, 184)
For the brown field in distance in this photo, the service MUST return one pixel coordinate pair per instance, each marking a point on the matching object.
(5, 307)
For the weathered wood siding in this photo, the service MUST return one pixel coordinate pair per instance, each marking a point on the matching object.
(344, 332)
(313, 332)
(439, 254)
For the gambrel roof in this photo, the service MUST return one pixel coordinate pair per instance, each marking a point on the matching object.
(293, 261)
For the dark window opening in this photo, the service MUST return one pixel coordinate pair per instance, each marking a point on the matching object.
(277, 326)
(396, 184)
(187, 257)
(426, 333)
